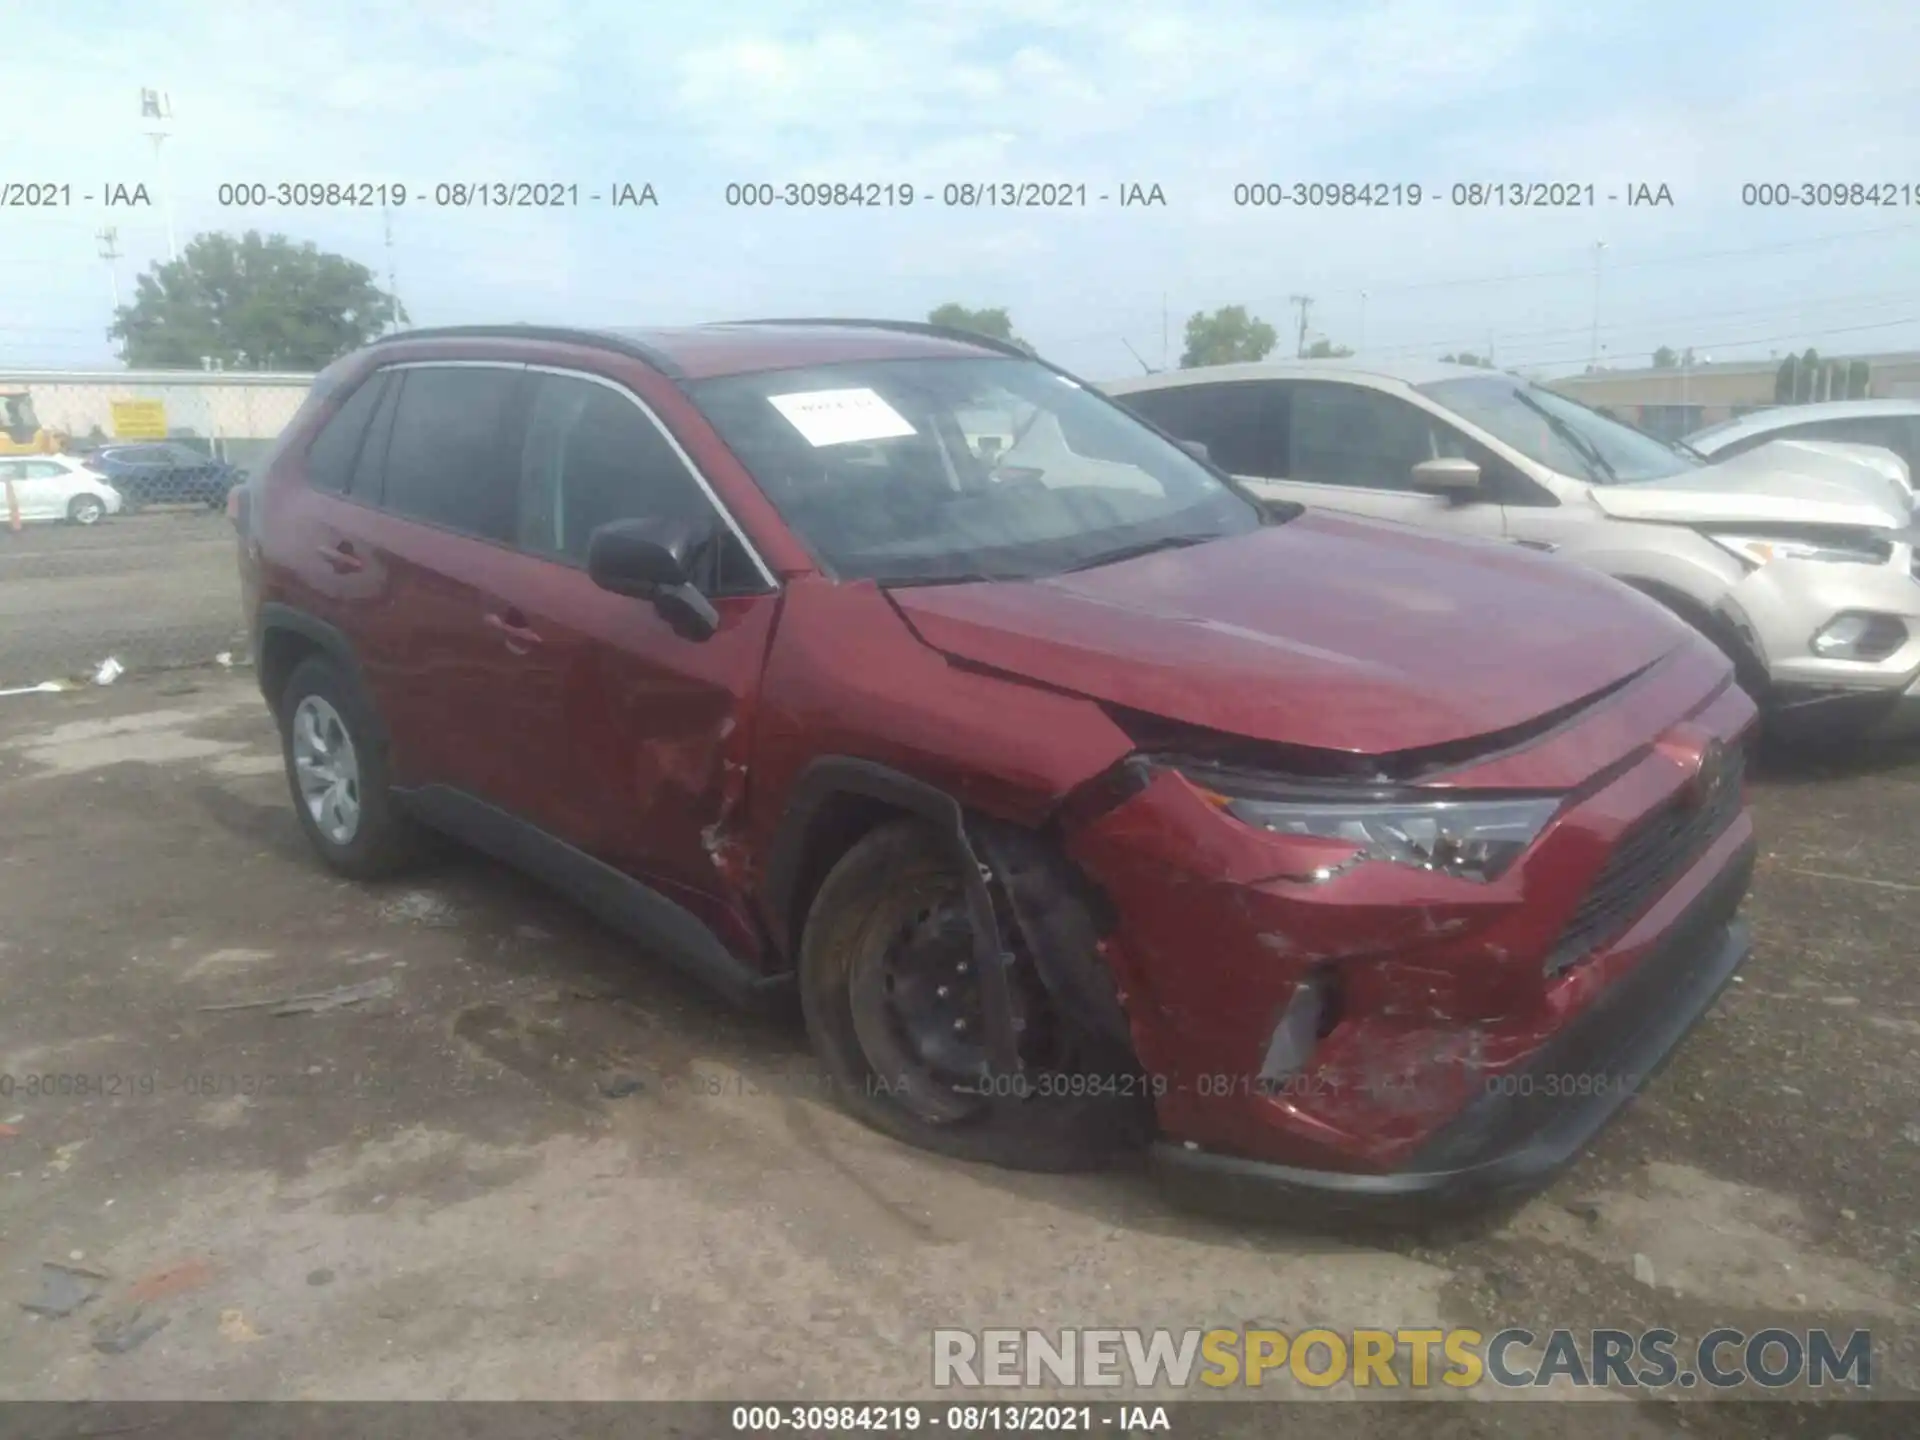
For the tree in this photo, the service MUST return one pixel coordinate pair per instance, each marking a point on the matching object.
(993, 323)
(254, 302)
(1467, 357)
(1859, 379)
(1783, 380)
(1225, 337)
(1664, 358)
(1325, 349)
(1808, 378)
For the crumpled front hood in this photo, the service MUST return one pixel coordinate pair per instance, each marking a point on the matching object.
(1780, 484)
(1329, 631)
(1876, 458)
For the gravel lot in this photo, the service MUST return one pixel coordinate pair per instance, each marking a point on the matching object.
(441, 1191)
(153, 590)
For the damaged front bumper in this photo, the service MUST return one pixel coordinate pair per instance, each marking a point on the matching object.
(1786, 612)
(1530, 1122)
(1460, 1037)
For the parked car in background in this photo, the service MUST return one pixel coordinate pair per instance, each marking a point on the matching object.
(1882, 433)
(1080, 795)
(1800, 565)
(57, 487)
(165, 473)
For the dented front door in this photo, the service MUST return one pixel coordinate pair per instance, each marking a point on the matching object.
(627, 740)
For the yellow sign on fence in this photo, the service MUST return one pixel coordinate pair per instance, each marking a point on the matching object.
(139, 419)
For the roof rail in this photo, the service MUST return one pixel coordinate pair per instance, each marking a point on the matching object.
(909, 327)
(563, 334)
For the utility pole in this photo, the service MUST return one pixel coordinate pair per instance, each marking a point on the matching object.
(109, 239)
(158, 107)
(393, 291)
(1163, 330)
(110, 252)
(1305, 302)
(1360, 341)
(1593, 347)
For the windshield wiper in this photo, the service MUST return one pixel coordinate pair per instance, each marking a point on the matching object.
(1145, 547)
(958, 577)
(1582, 446)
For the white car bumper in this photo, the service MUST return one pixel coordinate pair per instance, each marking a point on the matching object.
(1784, 608)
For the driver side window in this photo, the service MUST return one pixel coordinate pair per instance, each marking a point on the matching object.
(1354, 436)
(591, 456)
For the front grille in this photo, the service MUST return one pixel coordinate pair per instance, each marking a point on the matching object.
(1649, 858)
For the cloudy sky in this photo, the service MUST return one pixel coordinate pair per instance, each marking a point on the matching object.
(1700, 96)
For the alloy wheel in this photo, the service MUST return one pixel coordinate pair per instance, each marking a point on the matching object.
(328, 769)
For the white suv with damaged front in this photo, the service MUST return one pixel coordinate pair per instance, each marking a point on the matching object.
(1800, 564)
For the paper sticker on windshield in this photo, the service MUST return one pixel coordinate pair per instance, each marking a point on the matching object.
(841, 417)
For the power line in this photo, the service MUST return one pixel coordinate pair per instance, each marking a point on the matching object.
(1795, 337)
(1671, 322)
(1685, 258)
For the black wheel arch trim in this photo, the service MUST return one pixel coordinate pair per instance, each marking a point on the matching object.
(275, 615)
(996, 903)
(824, 780)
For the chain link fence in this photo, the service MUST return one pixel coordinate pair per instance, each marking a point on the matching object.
(150, 584)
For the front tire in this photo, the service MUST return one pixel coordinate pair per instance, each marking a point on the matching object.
(893, 1010)
(86, 510)
(337, 772)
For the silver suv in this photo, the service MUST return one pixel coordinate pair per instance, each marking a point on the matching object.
(1799, 561)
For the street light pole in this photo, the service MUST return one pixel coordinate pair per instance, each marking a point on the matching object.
(154, 105)
(110, 252)
(1360, 341)
(1593, 348)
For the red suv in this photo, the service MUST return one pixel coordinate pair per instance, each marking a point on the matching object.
(1085, 800)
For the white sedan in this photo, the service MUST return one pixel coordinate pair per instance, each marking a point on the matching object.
(55, 487)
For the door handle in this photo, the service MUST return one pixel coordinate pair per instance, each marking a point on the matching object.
(513, 628)
(342, 558)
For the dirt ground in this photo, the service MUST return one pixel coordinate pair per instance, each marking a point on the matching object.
(530, 1163)
(152, 590)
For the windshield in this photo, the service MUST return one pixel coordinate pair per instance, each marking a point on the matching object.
(931, 471)
(1557, 432)
(1718, 428)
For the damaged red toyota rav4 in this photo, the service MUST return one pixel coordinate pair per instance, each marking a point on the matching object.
(1087, 802)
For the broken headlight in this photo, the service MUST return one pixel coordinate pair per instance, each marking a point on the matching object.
(1467, 838)
(1758, 550)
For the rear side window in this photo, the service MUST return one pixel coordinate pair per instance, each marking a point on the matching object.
(366, 483)
(445, 463)
(1242, 424)
(330, 458)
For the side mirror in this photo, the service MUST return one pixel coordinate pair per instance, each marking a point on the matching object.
(652, 560)
(1454, 477)
(1198, 450)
